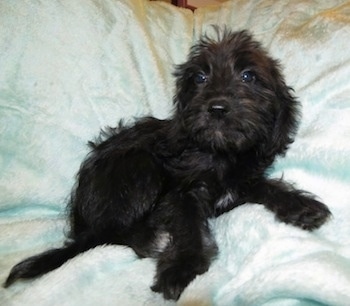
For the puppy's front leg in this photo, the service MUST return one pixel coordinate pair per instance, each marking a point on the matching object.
(290, 205)
(191, 246)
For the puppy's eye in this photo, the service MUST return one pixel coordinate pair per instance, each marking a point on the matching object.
(248, 76)
(200, 78)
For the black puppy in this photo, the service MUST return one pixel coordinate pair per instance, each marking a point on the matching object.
(153, 186)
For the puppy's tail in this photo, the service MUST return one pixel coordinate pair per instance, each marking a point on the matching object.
(49, 260)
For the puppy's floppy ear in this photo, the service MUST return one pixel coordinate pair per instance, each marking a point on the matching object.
(184, 73)
(287, 115)
(184, 86)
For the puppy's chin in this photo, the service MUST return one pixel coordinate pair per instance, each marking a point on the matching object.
(224, 139)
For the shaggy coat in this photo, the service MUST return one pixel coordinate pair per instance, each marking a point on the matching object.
(153, 186)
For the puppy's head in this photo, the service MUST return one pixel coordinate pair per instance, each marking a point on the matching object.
(232, 96)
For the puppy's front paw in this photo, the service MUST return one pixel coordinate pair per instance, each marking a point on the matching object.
(172, 281)
(307, 213)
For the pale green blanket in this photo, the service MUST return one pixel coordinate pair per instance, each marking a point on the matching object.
(71, 67)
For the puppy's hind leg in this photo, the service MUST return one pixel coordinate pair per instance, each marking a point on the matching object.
(290, 205)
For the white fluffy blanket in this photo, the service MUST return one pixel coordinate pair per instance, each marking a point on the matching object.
(70, 67)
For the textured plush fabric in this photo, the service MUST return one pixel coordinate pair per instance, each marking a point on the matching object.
(71, 67)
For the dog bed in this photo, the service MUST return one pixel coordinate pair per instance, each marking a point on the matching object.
(72, 67)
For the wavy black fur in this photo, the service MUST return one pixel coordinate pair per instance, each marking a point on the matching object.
(152, 186)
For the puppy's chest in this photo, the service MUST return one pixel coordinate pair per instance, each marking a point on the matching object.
(217, 175)
(228, 200)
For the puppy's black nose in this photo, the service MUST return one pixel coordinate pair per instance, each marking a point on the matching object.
(218, 108)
